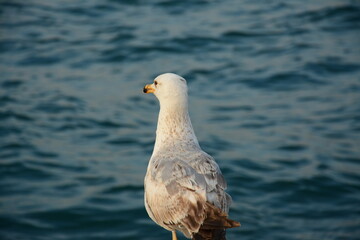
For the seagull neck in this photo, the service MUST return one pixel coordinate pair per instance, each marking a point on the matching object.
(174, 128)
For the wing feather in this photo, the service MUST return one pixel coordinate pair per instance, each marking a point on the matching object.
(204, 164)
(176, 195)
(177, 192)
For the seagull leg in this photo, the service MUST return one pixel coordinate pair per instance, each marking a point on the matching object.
(174, 235)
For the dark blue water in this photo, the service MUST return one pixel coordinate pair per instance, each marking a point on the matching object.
(275, 98)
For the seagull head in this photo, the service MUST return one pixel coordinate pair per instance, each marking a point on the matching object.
(169, 88)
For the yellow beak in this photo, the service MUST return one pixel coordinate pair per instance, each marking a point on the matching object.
(149, 88)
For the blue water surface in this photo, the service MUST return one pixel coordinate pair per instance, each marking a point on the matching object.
(274, 96)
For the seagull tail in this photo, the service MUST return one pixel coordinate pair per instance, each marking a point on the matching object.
(214, 225)
(218, 234)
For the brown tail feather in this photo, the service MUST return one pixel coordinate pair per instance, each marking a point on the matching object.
(214, 225)
(215, 234)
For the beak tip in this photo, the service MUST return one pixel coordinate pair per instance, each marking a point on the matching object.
(148, 89)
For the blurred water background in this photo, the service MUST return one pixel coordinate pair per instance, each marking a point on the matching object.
(274, 93)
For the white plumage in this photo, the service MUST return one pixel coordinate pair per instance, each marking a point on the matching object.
(184, 187)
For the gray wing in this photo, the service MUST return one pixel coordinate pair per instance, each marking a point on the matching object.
(177, 191)
(176, 196)
(205, 165)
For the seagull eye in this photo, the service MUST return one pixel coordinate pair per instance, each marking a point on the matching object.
(156, 83)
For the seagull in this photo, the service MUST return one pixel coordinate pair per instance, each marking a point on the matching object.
(184, 187)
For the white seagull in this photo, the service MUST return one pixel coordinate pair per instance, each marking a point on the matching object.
(184, 187)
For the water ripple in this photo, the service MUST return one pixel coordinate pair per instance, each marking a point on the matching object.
(274, 92)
